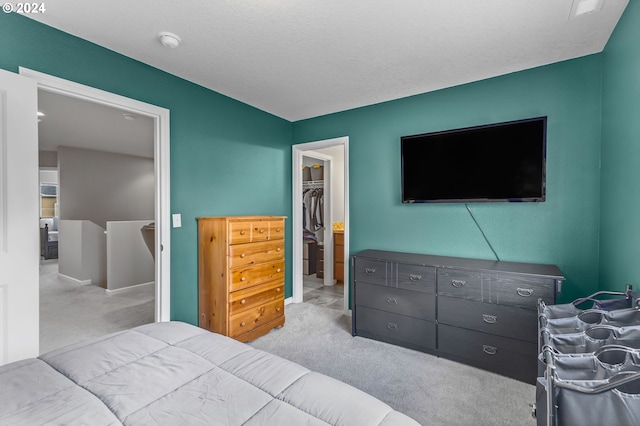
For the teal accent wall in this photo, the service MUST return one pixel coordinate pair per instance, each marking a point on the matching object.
(620, 224)
(563, 230)
(227, 158)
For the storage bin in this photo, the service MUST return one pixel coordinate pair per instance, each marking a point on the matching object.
(306, 174)
(317, 172)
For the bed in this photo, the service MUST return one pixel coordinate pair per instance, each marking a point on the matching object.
(173, 373)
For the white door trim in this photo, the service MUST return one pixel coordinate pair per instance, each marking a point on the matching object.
(297, 153)
(161, 166)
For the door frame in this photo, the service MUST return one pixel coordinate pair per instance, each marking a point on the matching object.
(297, 153)
(162, 210)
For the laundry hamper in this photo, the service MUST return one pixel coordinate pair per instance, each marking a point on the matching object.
(589, 362)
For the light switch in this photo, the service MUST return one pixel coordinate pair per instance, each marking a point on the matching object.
(177, 220)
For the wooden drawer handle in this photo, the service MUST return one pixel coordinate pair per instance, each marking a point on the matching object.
(262, 309)
(370, 270)
(242, 232)
(278, 249)
(489, 319)
(243, 301)
(524, 292)
(242, 256)
(414, 277)
(490, 350)
(458, 283)
(243, 279)
(278, 270)
(278, 309)
(278, 289)
(277, 229)
(392, 326)
(242, 324)
(392, 301)
(262, 231)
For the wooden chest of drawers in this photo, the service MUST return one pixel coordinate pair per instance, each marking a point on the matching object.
(241, 275)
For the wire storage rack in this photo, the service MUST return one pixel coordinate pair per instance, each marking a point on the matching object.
(589, 361)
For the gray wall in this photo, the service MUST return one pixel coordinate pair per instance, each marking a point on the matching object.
(101, 186)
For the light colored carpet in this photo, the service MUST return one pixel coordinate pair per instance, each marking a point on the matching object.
(71, 313)
(432, 390)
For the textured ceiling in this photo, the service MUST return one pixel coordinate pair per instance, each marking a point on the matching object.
(302, 58)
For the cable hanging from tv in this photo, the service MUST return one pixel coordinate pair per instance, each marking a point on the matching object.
(481, 231)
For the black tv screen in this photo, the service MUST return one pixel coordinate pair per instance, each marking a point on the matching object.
(494, 162)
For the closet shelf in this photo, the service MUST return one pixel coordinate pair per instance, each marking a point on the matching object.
(313, 184)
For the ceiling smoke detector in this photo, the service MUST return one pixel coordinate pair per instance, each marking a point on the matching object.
(169, 40)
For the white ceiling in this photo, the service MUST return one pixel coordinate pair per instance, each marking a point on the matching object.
(303, 58)
(89, 125)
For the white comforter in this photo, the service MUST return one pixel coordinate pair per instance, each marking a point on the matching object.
(177, 374)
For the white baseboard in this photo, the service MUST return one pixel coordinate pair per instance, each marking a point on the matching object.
(74, 280)
(288, 300)
(128, 288)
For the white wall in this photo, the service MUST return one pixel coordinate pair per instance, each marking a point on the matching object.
(102, 186)
(337, 180)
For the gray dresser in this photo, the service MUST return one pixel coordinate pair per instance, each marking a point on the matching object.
(478, 312)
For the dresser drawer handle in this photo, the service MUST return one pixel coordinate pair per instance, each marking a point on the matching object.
(392, 301)
(262, 231)
(278, 290)
(392, 326)
(524, 292)
(278, 249)
(242, 256)
(242, 324)
(242, 232)
(490, 350)
(489, 319)
(278, 270)
(277, 229)
(458, 283)
(278, 309)
(243, 279)
(414, 277)
(243, 301)
(370, 270)
(262, 309)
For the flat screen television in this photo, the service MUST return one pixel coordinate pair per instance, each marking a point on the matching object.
(494, 162)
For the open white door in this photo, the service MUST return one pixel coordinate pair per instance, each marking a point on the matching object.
(19, 234)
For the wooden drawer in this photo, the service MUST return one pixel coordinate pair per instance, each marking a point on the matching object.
(251, 297)
(250, 319)
(252, 275)
(276, 229)
(250, 254)
(508, 357)
(459, 283)
(239, 231)
(417, 278)
(371, 271)
(516, 323)
(403, 302)
(396, 328)
(518, 290)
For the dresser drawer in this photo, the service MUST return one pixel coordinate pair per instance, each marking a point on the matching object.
(509, 357)
(522, 291)
(371, 271)
(253, 253)
(417, 278)
(255, 296)
(276, 229)
(457, 283)
(239, 232)
(403, 302)
(398, 328)
(252, 275)
(516, 323)
(246, 321)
